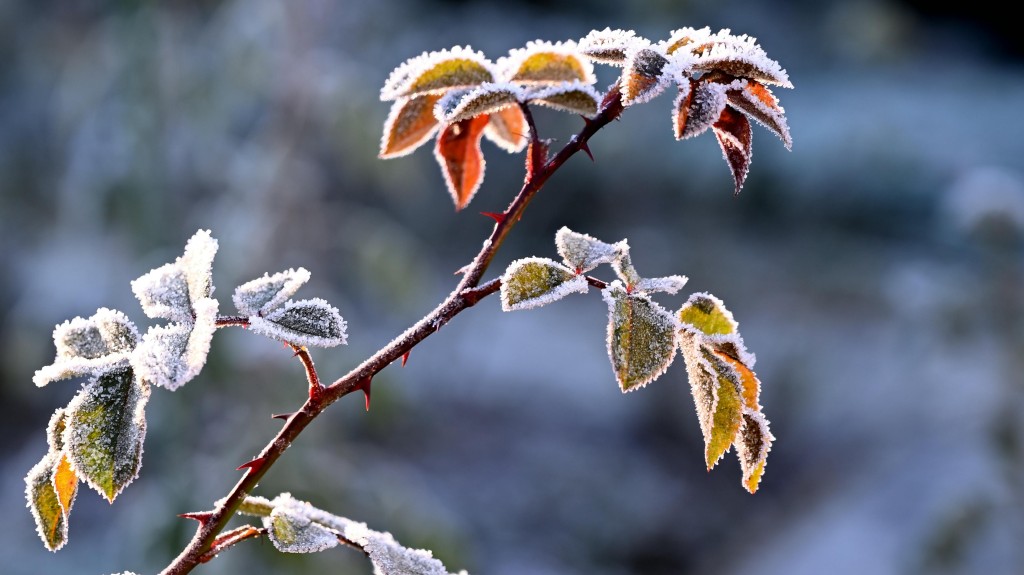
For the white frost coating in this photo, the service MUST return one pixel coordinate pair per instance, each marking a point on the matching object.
(645, 75)
(570, 283)
(312, 322)
(405, 75)
(292, 532)
(512, 139)
(610, 46)
(55, 430)
(458, 105)
(669, 284)
(706, 105)
(163, 293)
(197, 263)
(90, 346)
(583, 252)
(727, 49)
(40, 478)
(160, 358)
(404, 114)
(202, 335)
(772, 118)
(732, 341)
(568, 97)
(511, 65)
(637, 365)
(259, 296)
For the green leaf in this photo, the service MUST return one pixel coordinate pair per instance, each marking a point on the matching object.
(438, 72)
(311, 322)
(458, 105)
(707, 314)
(261, 295)
(623, 267)
(292, 532)
(106, 426)
(573, 97)
(45, 503)
(90, 346)
(546, 63)
(641, 337)
(533, 282)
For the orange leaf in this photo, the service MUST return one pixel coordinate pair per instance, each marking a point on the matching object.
(748, 379)
(643, 77)
(698, 107)
(757, 102)
(458, 152)
(753, 443)
(733, 132)
(508, 129)
(65, 483)
(410, 123)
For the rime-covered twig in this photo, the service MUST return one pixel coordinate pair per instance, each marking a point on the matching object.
(466, 294)
(230, 539)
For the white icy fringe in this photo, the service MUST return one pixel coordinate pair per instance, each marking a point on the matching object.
(574, 97)
(405, 75)
(610, 46)
(55, 430)
(670, 284)
(706, 105)
(259, 296)
(91, 346)
(197, 263)
(306, 529)
(458, 105)
(312, 322)
(584, 252)
(637, 63)
(163, 293)
(38, 478)
(652, 319)
(510, 66)
(172, 355)
(573, 284)
(725, 47)
(404, 112)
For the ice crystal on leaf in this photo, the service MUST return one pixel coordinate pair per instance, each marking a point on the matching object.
(574, 97)
(462, 162)
(534, 282)
(197, 263)
(163, 293)
(410, 124)
(610, 46)
(85, 347)
(106, 426)
(508, 129)
(259, 296)
(292, 532)
(698, 106)
(543, 62)
(172, 355)
(55, 430)
(458, 105)
(645, 76)
(623, 267)
(758, 103)
(50, 488)
(725, 388)
(641, 337)
(670, 284)
(312, 322)
(583, 252)
(733, 133)
(438, 72)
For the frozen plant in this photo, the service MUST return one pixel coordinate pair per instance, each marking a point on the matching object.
(461, 97)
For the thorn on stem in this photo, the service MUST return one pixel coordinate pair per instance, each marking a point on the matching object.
(365, 386)
(203, 517)
(252, 465)
(586, 150)
(498, 218)
(405, 357)
(282, 416)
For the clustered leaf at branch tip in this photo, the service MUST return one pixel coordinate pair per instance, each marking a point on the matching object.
(462, 96)
(643, 339)
(98, 438)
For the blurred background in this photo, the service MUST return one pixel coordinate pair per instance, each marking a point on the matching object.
(876, 271)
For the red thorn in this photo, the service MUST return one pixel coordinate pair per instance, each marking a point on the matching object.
(203, 517)
(461, 270)
(496, 217)
(405, 357)
(365, 386)
(586, 149)
(253, 465)
(283, 416)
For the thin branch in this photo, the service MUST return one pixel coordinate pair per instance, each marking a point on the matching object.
(232, 320)
(466, 294)
(230, 539)
(315, 387)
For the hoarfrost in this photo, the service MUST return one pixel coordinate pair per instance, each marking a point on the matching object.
(43, 502)
(685, 37)
(409, 125)
(312, 322)
(534, 282)
(739, 56)
(55, 430)
(508, 129)
(644, 76)
(734, 136)
(759, 103)
(259, 296)
(611, 46)
(292, 532)
(583, 252)
(698, 108)
(197, 263)
(542, 62)
(458, 105)
(163, 293)
(707, 314)
(753, 442)
(160, 358)
(622, 265)
(106, 427)
(641, 337)
(670, 284)
(573, 97)
(437, 72)
(92, 346)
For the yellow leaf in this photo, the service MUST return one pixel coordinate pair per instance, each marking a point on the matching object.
(726, 420)
(707, 313)
(410, 124)
(65, 484)
(641, 337)
(44, 503)
(748, 380)
(552, 67)
(508, 129)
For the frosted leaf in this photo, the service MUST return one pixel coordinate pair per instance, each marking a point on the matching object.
(753, 442)
(698, 107)
(669, 284)
(534, 282)
(292, 532)
(685, 37)
(255, 505)
(610, 46)
(259, 296)
(707, 314)
(389, 557)
(758, 102)
(733, 133)
(201, 336)
(312, 322)
(738, 56)
(106, 426)
(65, 484)
(462, 163)
(163, 293)
(437, 72)
(172, 355)
(458, 105)
(623, 266)
(644, 77)
(730, 350)
(641, 337)
(583, 252)
(717, 395)
(90, 346)
(508, 129)
(197, 263)
(543, 62)
(55, 430)
(573, 97)
(410, 124)
(44, 503)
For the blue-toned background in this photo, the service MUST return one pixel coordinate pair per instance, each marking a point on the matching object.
(876, 271)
